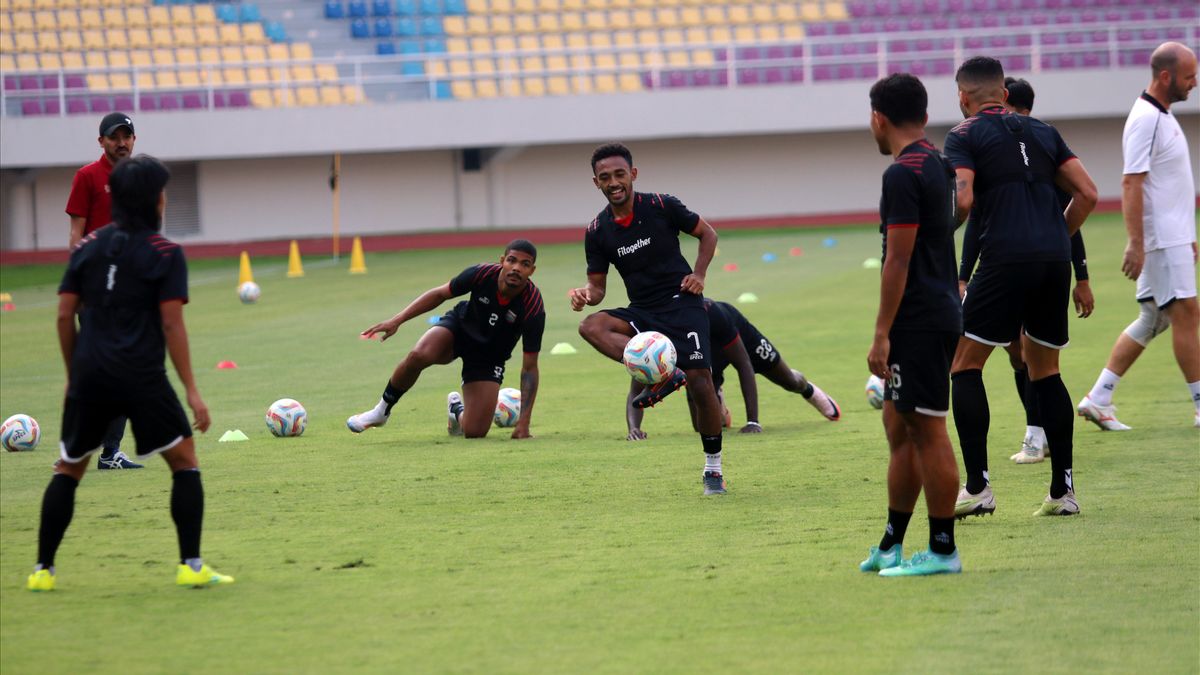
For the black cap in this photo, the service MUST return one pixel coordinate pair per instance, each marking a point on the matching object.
(113, 121)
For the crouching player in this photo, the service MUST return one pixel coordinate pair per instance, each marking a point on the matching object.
(482, 331)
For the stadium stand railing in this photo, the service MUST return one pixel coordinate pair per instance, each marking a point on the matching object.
(61, 57)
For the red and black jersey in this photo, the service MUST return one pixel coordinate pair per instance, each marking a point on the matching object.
(644, 248)
(121, 278)
(918, 192)
(496, 323)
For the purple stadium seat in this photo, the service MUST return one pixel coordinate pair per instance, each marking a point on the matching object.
(219, 100)
(943, 67)
(858, 9)
(1094, 60)
(1016, 63)
(1113, 16)
(1088, 17)
(1005, 5)
(648, 80)
(795, 74)
(76, 82)
(823, 50)
(10, 83)
(881, 8)
(998, 42)
(965, 21)
(868, 71)
(773, 76)
(918, 68)
(898, 47)
(148, 102)
(1162, 13)
(990, 21)
(941, 22)
(1137, 15)
(930, 6)
(1039, 20)
(796, 51)
(1074, 38)
(1051, 39)
(822, 73)
(893, 26)
(1189, 12)
(979, 6)
(842, 28)
(845, 72)
(721, 55)
(238, 99)
(192, 101)
(955, 6)
(168, 102)
(123, 102)
(702, 78)
(818, 30)
(50, 82)
(973, 43)
(1099, 37)
(675, 79)
(868, 26)
(722, 78)
(50, 106)
(906, 7)
(1177, 34)
(29, 82)
(1150, 34)
(776, 52)
(1063, 18)
(100, 104)
(31, 107)
(1068, 61)
(1014, 21)
(76, 106)
(749, 54)
(1051, 4)
(1025, 40)
(1028, 5)
(916, 24)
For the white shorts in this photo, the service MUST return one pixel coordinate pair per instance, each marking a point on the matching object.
(1168, 274)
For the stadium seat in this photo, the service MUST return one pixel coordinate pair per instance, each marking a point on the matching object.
(357, 8)
(359, 29)
(249, 13)
(226, 13)
(405, 8)
(334, 9)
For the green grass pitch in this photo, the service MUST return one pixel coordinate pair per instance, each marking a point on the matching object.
(404, 550)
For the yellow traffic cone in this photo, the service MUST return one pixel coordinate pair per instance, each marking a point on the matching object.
(244, 273)
(295, 269)
(357, 264)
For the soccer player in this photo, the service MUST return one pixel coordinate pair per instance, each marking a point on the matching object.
(1158, 199)
(749, 352)
(128, 285)
(504, 306)
(915, 330)
(1033, 446)
(89, 207)
(638, 232)
(1007, 167)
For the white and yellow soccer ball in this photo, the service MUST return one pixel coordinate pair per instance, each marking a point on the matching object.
(649, 357)
(508, 407)
(286, 417)
(20, 433)
(249, 292)
(875, 392)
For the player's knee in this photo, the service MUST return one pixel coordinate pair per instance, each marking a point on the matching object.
(590, 327)
(475, 429)
(1150, 323)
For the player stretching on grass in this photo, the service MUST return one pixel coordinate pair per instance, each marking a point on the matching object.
(916, 329)
(1007, 167)
(482, 331)
(638, 232)
(1033, 446)
(128, 284)
(749, 352)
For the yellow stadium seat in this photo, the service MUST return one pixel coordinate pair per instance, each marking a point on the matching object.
(166, 79)
(181, 15)
(630, 82)
(254, 54)
(89, 19)
(68, 19)
(477, 6)
(6, 43)
(573, 5)
(114, 17)
(160, 17)
(647, 38)
(185, 36)
(27, 62)
(140, 58)
(498, 7)
(436, 69)
(260, 98)
(331, 96)
(72, 60)
(762, 13)
(596, 20)
(703, 58)
(508, 65)
(533, 86)
(486, 89)
(501, 24)
(462, 89)
(691, 16)
(97, 82)
(21, 5)
(581, 84)
(230, 34)
(629, 60)
(253, 34)
(620, 4)
(524, 23)
(714, 15)
(549, 5)
(48, 42)
(835, 11)
(606, 84)
(528, 43)
(571, 21)
(327, 72)
(738, 15)
(786, 12)
(695, 36)
(164, 57)
(188, 78)
(793, 32)
(232, 55)
(301, 51)
(113, 3)
(277, 52)
(668, 17)
(556, 63)
(597, 4)
(745, 34)
(45, 21)
(70, 41)
(204, 56)
(212, 77)
(648, 4)
(256, 75)
(643, 18)
(457, 45)
(720, 35)
(233, 76)
(144, 79)
(550, 42)
(460, 67)
(481, 66)
(481, 45)
(118, 59)
(477, 25)
(50, 62)
(504, 43)
(136, 18)
(206, 36)
(672, 37)
(115, 37)
(352, 95)
(159, 37)
(307, 97)
(768, 33)
(120, 82)
(601, 40)
(22, 22)
(524, 6)
(41, 4)
(810, 11)
(576, 40)
(6, 24)
(532, 64)
(67, 4)
(279, 73)
(455, 25)
(93, 39)
(203, 15)
(581, 61)
(678, 59)
(305, 74)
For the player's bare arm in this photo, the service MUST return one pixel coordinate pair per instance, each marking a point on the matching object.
(740, 360)
(1133, 209)
(175, 333)
(965, 185)
(694, 282)
(77, 223)
(900, 244)
(425, 302)
(590, 295)
(68, 332)
(529, 389)
(1073, 179)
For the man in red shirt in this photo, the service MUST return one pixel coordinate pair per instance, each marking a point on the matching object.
(89, 207)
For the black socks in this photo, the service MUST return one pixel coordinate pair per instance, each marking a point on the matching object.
(58, 506)
(187, 510)
(390, 396)
(894, 533)
(972, 417)
(941, 535)
(1058, 419)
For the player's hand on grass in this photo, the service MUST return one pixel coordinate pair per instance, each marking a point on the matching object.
(579, 297)
(878, 356)
(693, 283)
(636, 435)
(386, 328)
(751, 428)
(1085, 302)
(199, 410)
(1131, 263)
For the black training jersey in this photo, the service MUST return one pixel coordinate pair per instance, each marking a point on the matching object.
(645, 249)
(1015, 159)
(121, 278)
(918, 193)
(491, 320)
(722, 326)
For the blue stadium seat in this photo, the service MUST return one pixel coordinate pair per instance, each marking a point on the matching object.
(410, 47)
(456, 6)
(431, 27)
(227, 13)
(358, 8)
(275, 31)
(435, 46)
(406, 27)
(412, 68)
(406, 7)
(250, 13)
(359, 29)
(385, 48)
(431, 7)
(381, 7)
(334, 9)
(442, 90)
(383, 27)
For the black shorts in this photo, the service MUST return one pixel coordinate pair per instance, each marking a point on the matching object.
(479, 363)
(1004, 299)
(920, 365)
(763, 355)
(158, 420)
(684, 321)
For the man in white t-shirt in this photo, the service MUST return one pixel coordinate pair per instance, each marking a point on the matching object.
(1158, 199)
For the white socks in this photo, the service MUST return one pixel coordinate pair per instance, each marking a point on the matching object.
(1195, 389)
(712, 463)
(1102, 392)
(1036, 436)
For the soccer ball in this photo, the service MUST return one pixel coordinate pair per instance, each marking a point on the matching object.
(20, 433)
(650, 357)
(508, 407)
(286, 417)
(249, 292)
(875, 392)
